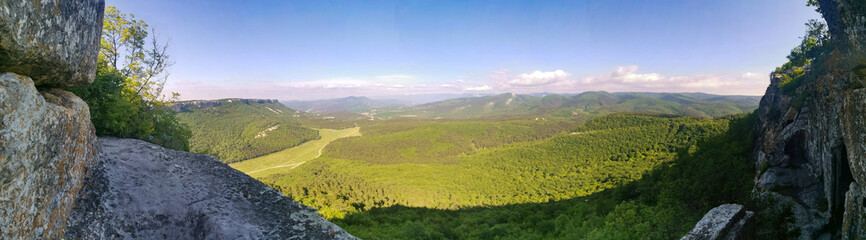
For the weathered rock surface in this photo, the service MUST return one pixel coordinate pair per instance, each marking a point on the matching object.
(47, 141)
(810, 146)
(847, 25)
(798, 153)
(727, 221)
(140, 190)
(52, 41)
(854, 219)
(182, 106)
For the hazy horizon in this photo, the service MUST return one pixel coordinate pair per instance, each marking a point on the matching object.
(307, 50)
(405, 98)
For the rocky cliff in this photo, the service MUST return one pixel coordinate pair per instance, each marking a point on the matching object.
(54, 42)
(46, 138)
(182, 106)
(134, 189)
(140, 190)
(811, 147)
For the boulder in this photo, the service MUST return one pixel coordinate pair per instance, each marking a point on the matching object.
(727, 221)
(141, 190)
(54, 42)
(47, 142)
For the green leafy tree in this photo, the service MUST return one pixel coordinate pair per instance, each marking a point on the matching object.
(145, 60)
(814, 3)
(812, 45)
(126, 100)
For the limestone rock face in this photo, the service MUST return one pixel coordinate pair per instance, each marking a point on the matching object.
(46, 143)
(811, 143)
(182, 106)
(854, 131)
(727, 221)
(54, 42)
(854, 219)
(140, 190)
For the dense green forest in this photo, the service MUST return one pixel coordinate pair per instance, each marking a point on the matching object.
(237, 130)
(709, 166)
(620, 176)
(685, 104)
(427, 141)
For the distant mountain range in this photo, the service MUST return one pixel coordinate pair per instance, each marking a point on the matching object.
(347, 104)
(700, 105)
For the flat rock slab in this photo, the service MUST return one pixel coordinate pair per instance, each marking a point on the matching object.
(139, 190)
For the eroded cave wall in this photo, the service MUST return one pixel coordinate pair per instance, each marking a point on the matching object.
(811, 143)
(46, 137)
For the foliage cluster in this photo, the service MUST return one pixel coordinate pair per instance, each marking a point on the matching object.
(236, 131)
(124, 99)
(815, 44)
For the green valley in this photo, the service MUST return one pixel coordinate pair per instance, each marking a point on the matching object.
(523, 167)
(438, 179)
(293, 157)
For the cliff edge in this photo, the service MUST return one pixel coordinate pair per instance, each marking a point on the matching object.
(141, 190)
(810, 151)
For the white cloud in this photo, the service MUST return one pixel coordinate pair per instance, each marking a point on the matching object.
(624, 74)
(539, 78)
(619, 79)
(329, 83)
(627, 78)
(324, 88)
(478, 88)
(396, 78)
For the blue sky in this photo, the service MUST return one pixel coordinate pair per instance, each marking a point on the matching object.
(327, 49)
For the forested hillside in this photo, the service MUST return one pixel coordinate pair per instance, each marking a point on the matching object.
(428, 141)
(474, 179)
(686, 104)
(708, 165)
(239, 130)
(346, 104)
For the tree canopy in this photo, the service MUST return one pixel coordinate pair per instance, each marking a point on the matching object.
(125, 98)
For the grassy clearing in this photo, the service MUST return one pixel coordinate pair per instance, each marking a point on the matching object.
(293, 157)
